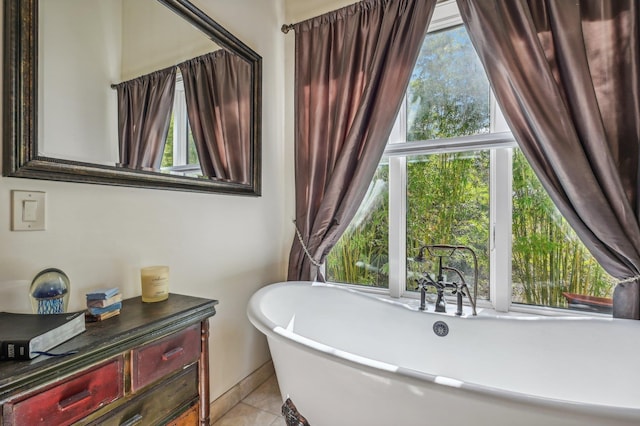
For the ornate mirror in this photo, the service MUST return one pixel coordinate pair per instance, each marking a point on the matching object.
(69, 110)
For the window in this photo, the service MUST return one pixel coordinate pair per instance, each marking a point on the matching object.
(452, 174)
(548, 258)
(180, 155)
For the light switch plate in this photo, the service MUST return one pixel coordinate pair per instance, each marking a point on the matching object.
(28, 210)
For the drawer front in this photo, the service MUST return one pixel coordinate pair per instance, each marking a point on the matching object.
(71, 400)
(188, 418)
(155, 360)
(157, 403)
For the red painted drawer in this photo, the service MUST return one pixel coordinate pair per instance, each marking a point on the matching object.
(155, 360)
(156, 403)
(70, 400)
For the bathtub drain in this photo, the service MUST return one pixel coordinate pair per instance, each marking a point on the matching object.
(440, 328)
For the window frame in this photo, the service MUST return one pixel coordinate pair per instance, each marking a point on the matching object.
(181, 134)
(500, 143)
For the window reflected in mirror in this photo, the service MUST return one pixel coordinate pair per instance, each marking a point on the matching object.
(180, 154)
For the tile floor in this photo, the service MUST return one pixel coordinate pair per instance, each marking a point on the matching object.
(260, 408)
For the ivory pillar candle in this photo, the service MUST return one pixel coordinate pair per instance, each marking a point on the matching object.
(155, 283)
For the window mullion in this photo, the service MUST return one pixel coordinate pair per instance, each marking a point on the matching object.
(398, 207)
(501, 235)
(397, 226)
(180, 127)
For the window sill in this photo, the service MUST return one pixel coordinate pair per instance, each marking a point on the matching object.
(484, 307)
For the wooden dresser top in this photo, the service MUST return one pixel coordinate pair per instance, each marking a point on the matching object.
(138, 323)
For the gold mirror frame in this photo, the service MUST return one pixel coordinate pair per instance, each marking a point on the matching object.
(20, 148)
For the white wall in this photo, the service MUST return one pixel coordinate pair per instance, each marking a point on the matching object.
(79, 59)
(300, 10)
(154, 37)
(85, 47)
(218, 246)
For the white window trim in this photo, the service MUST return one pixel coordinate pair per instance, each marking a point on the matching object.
(179, 125)
(398, 211)
(445, 15)
(500, 226)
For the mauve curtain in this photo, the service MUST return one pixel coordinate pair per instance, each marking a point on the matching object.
(218, 92)
(352, 70)
(566, 74)
(144, 113)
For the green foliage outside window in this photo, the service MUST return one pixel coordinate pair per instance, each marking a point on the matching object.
(361, 256)
(448, 93)
(448, 203)
(548, 258)
(167, 156)
(192, 153)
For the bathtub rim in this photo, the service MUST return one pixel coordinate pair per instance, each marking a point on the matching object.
(279, 332)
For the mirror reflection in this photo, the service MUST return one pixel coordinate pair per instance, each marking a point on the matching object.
(65, 61)
(128, 83)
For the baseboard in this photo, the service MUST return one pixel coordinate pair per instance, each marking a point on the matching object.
(233, 396)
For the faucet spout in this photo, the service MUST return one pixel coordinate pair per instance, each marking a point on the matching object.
(441, 304)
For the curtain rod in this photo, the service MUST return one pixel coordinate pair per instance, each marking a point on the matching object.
(288, 27)
(177, 66)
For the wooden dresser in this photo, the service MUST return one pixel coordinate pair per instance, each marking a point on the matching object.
(147, 366)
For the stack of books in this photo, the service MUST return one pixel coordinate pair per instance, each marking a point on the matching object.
(103, 304)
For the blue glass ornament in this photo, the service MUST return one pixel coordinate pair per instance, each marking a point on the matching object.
(49, 292)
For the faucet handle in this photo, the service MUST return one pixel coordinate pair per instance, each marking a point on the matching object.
(463, 289)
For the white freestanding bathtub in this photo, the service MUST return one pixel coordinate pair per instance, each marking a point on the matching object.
(353, 359)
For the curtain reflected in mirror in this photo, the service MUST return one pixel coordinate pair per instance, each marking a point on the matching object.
(218, 91)
(144, 113)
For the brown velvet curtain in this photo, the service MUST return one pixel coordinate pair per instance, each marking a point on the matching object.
(566, 74)
(144, 113)
(218, 92)
(352, 70)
